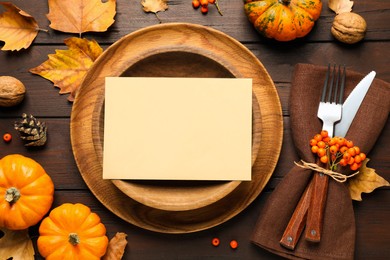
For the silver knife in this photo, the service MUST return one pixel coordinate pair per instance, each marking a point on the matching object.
(352, 103)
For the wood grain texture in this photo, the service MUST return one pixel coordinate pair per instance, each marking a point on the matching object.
(279, 59)
(297, 222)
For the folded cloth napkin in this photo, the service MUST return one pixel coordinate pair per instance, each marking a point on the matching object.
(338, 235)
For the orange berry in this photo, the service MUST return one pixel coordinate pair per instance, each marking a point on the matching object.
(354, 166)
(343, 149)
(313, 142)
(7, 137)
(343, 162)
(352, 151)
(347, 156)
(321, 152)
(233, 244)
(215, 241)
(333, 149)
(351, 161)
(204, 2)
(326, 139)
(358, 158)
(332, 141)
(318, 137)
(324, 133)
(362, 156)
(321, 144)
(341, 140)
(314, 149)
(324, 159)
(212, 2)
(349, 143)
(204, 9)
(357, 149)
(195, 4)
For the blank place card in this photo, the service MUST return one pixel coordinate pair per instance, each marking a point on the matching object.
(177, 129)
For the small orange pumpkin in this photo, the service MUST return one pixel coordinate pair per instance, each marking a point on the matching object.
(283, 20)
(26, 192)
(72, 231)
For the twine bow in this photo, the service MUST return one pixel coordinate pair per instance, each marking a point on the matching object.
(339, 177)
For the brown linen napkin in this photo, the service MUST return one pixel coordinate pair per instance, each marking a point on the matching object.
(338, 235)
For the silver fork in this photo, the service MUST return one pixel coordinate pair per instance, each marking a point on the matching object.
(329, 111)
(309, 211)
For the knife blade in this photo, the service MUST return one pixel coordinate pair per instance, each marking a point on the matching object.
(352, 103)
(350, 108)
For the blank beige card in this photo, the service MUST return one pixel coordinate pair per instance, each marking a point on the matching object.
(177, 129)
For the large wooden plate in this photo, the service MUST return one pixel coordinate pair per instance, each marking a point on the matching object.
(157, 41)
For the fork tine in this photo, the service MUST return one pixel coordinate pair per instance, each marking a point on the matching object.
(325, 84)
(331, 84)
(342, 86)
(337, 86)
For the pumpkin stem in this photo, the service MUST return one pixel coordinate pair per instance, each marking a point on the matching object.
(74, 239)
(12, 195)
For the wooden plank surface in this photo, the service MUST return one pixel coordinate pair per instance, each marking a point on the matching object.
(319, 47)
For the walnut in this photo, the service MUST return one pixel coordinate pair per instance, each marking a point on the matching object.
(11, 91)
(349, 27)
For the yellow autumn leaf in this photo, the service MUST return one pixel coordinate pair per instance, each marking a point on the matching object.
(154, 6)
(78, 16)
(67, 68)
(116, 247)
(17, 28)
(16, 245)
(340, 6)
(366, 181)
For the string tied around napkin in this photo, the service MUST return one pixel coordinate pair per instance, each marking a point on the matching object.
(337, 176)
(339, 231)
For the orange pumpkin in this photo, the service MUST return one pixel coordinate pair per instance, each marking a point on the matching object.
(72, 231)
(27, 192)
(283, 20)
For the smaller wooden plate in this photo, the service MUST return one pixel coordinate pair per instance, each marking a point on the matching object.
(174, 195)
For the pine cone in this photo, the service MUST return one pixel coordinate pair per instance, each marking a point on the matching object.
(32, 131)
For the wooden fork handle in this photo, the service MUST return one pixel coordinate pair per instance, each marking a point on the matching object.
(316, 209)
(297, 222)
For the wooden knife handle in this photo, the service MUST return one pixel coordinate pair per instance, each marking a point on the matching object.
(298, 220)
(315, 214)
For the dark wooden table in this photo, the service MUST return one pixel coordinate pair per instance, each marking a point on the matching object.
(319, 47)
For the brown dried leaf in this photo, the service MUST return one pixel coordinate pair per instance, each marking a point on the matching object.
(67, 68)
(154, 6)
(17, 28)
(78, 16)
(366, 181)
(16, 245)
(340, 6)
(116, 247)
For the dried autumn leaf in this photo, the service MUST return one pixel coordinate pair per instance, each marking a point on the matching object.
(340, 6)
(16, 245)
(116, 247)
(366, 181)
(78, 16)
(67, 68)
(154, 6)
(17, 28)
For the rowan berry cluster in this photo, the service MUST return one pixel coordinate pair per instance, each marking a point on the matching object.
(203, 4)
(335, 151)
